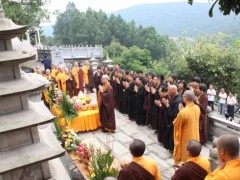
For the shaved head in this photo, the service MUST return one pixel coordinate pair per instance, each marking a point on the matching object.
(194, 148)
(172, 90)
(230, 144)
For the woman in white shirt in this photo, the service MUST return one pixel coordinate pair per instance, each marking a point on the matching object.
(222, 101)
(231, 102)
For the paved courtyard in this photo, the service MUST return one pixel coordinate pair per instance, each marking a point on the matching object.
(128, 130)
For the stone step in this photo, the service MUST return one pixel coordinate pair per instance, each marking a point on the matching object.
(28, 155)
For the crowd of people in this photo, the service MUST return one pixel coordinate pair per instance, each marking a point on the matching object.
(176, 111)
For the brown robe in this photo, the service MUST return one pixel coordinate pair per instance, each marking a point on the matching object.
(203, 120)
(190, 171)
(90, 79)
(71, 87)
(134, 172)
(106, 107)
(80, 76)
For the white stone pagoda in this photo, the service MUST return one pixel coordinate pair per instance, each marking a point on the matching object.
(24, 149)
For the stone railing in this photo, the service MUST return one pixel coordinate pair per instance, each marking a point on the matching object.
(219, 126)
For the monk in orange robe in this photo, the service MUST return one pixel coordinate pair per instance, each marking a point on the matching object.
(140, 167)
(54, 71)
(75, 70)
(196, 167)
(228, 155)
(61, 79)
(45, 96)
(85, 69)
(186, 127)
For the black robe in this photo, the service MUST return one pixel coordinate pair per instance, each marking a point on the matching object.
(190, 171)
(97, 80)
(120, 95)
(171, 114)
(134, 172)
(131, 101)
(125, 100)
(140, 113)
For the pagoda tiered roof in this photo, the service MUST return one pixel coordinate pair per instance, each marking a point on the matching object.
(17, 56)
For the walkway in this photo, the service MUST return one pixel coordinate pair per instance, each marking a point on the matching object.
(128, 130)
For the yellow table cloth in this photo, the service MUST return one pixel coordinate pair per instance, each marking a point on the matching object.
(85, 121)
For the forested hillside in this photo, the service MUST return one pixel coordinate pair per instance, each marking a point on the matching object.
(181, 19)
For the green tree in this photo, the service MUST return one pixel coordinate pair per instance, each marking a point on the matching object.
(27, 12)
(225, 6)
(212, 60)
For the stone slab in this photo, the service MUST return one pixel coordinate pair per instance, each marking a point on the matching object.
(143, 137)
(122, 137)
(119, 149)
(163, 165)
(128, 129)
(159, 151)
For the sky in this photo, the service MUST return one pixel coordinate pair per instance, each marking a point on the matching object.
(106, 5)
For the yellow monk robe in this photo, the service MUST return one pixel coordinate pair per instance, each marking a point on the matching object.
(46, 91)
(150, 165)
(85, 73)
(231, 171)
(61, 81)
(75, 75)
(186, 127)
(202, 162)
(54, 73)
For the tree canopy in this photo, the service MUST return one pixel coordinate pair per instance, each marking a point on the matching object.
(225, 6)
(27, 12)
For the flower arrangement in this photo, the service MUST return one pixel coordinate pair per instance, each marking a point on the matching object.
(69, 138)
(54, 94)
(84, 153)
(67, 108)
(101, 164)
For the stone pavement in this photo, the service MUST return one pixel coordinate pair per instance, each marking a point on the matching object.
(125, 132)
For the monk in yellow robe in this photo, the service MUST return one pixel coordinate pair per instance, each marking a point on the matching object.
(196, 167)
(54, 71)
(228, 155)
(186, 127)
(85, 69)
(61, 79)
(48, 76)
(140, 167)
(75, 70)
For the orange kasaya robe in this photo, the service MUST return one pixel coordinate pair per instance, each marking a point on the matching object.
(61, 81)
(75, 75)
(46, 91)
(85, 73)
(186, 127)
(54, 73)
(229, 172)
(202, 162)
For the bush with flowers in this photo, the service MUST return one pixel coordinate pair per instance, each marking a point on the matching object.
(54, 94)
(102, 164)
(69, 139)
(84, 153)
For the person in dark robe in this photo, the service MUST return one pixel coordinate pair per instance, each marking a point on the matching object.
(140, 168)
(81, 81)
(125, 93)
(161, 110)
(171, 113)
(146, 105)
(116, 87)
(140, 90)
(131, 99)
(106, 109)
(171, 80)
(196, 167)
(90, 79)
(71, 85)
(120, 90)
(182, 85)
(202, 101)
(153, 96)
(97, 78)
